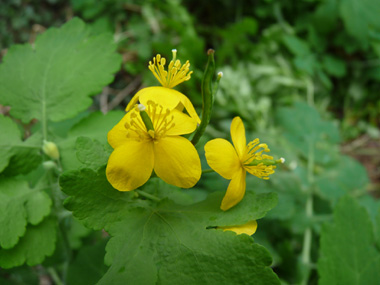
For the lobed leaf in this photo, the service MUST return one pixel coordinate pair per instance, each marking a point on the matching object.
(347, 176)
(168, 243)
(16, 156)
(18, 206)
(64, 65)
(348, 252)
(92, 199)
(304, 127)
(95, 126)
(33, 247)
(91, 153)
(172, 244)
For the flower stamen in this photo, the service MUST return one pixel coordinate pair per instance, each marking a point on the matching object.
(176, 73)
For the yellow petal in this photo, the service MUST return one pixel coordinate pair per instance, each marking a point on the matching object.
(177, 161)
(117, 136)
(221, 157)
(183, 124)
(235, 191)
(248, 228)
(238, 136)
(130, 165)
(169, 98)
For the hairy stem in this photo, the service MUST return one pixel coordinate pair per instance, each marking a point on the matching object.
(307, 239)
(207, 96)
(147, 195)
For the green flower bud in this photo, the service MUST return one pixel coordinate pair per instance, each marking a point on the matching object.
(48, 165)
(50, 149)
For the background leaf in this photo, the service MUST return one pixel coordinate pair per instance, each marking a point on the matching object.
(348, 253)
(91, 152)
(42, 81)
(95, 126)
(18, 155)
(88, 266)
(38, 242)
(173, 237)
(171, 244)
(17, 207)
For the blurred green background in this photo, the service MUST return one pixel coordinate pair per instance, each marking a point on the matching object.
(299, 73)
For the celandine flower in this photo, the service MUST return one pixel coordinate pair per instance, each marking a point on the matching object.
(165, 95)
(138, 150)
(233, 162)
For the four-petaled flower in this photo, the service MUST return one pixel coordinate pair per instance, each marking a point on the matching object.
(165, 95)
(138, 151)
(233, 162)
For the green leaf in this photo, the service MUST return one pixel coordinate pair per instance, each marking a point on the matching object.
(19, 205)
(171, 244)
(91, 153)
(297, 46)
(360, 17)
(53, 79)
(348, 254)
(304, 126)
(93, 200)
(20, 156)
(96, 126)
(38, 242)
(377, 228)
(76, 233)
(159, 188)
(326, 16)
(88, 266)
(334, 66)
(347, 176)
(38, 206)
(174, 238)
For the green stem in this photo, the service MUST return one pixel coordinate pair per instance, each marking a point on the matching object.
(307, 240)
(147, 195)
(68, 250)
(208, 171)
(44, 121)
(58, 209)
(207, 96)
(310, 92)
(54, 276)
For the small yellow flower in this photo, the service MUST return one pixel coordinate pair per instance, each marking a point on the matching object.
(233, 162)
(165, 95)
(138, 151)
(248, 228)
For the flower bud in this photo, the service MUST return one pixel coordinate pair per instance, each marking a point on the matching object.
(50, 149)
(48, 165)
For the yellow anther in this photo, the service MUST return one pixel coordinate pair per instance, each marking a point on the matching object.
(176, 73)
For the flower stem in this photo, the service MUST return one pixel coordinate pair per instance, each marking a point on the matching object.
(54, 276)
(207, 96)
(307, 239)
(147, 195)
(208, 171)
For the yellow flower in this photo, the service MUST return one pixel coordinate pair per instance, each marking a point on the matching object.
(165, 95)
(248, 228)
(233, 162)
(138, 151)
